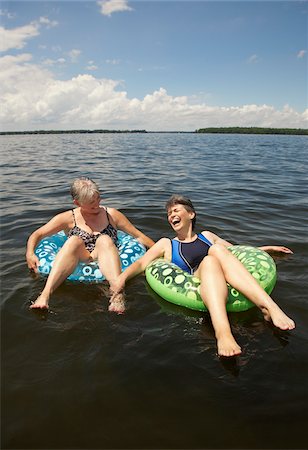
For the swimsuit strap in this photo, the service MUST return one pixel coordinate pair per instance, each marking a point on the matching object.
(106, 209)
(204, 239)
(74, 218)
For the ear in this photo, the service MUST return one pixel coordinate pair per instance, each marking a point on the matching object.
(192, 215)
(76, 202)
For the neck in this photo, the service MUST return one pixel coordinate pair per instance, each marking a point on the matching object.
(89, 214)
(187, 235)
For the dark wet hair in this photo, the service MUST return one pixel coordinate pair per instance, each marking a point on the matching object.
(182, 200)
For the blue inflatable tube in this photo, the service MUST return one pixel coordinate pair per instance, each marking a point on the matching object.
(129, 251)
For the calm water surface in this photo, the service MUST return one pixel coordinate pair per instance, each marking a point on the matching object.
(80, 377)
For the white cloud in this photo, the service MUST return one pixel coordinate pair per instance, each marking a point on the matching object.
(74, 55)
(253, 59)
(301, 53)
(52, 62)
(6, 14)
(47, 22)
(109, 7)
(17, 37)
(91, 67)
(113, 61)
(32, 98)
(56, 48)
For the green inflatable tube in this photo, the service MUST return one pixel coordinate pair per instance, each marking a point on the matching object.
(179, 287)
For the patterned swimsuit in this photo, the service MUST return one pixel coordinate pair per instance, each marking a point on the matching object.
(90, 239)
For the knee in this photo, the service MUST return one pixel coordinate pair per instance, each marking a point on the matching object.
(208, 262)
(74, 243)
(104, 241)
(217, 250)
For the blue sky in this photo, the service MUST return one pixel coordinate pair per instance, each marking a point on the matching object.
(161, 65)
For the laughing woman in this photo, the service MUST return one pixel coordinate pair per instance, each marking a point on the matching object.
(207, 257)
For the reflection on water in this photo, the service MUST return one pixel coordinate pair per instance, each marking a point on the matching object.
(80, 377)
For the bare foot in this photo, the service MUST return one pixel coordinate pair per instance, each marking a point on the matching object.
(227, 346)
(117, 303)
(278, 317)
(40, 303)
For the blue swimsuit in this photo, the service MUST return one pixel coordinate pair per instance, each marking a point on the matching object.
(188, 255)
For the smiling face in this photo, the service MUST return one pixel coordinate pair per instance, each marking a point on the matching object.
(91, 206)
(179, 217)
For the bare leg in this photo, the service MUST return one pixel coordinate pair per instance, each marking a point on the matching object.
(237, 275)
(65, 262)
(110, 265)
(214, 293)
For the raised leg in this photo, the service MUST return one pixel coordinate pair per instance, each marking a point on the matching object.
(239, 277)
(64, 264)
(214, 292)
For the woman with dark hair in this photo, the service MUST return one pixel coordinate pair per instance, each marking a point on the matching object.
(207, 257)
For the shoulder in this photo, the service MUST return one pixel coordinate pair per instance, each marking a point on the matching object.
(109, 209)
(164, 242)
(209, 235)
(113, 212)
(161, 248)
(64, 217)
(65, 220)
(61, 221)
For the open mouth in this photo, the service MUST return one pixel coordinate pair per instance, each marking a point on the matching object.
(176, 221)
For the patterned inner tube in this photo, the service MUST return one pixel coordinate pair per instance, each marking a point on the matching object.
(129, 251)
(178, 287)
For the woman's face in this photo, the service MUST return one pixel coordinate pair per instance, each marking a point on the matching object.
(178, 216)
(91, 206)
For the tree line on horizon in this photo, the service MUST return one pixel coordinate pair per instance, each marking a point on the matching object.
(252, 130)
(70, 131)
(218, 130)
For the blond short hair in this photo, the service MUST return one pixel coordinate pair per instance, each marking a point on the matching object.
(84, 190)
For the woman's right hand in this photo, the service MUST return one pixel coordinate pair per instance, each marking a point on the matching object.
(62, 221)
(33, 262)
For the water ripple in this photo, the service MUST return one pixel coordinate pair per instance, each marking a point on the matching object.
(156, 364)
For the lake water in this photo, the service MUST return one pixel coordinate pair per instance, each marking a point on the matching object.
(80, 377)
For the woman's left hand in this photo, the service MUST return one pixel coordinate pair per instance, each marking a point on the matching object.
(276, 248)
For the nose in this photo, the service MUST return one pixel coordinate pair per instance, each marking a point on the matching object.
(171, 216)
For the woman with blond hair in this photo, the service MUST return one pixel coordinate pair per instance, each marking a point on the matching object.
(92, 235)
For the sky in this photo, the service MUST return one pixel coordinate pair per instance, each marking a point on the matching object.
(153, 65)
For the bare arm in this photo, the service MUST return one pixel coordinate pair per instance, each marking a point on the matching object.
(267, 248)
(160, 249)
(122, 223)
(216, 239)
(57, 223)
(276, 248)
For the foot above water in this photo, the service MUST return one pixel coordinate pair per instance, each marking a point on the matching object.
(40, 303)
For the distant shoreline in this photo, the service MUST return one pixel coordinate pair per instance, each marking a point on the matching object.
(253, 130)
(218, 130)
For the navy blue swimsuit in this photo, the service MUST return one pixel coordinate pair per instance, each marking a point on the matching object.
(188, 255)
